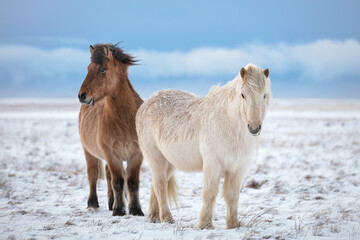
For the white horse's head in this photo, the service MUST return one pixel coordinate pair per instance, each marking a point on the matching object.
(255, 95)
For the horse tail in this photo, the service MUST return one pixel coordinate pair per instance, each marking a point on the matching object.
(172, 190)
(101, 169)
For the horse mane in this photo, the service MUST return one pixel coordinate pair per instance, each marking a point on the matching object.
(99, 55)
(255, 78)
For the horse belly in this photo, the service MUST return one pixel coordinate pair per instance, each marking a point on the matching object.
(183, 155)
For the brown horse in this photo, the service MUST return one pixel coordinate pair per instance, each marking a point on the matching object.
(107, 127)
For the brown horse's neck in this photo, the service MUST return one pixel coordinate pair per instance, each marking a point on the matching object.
(124, 92)
(123, 101)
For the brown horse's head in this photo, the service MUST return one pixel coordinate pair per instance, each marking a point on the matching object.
(109, 65)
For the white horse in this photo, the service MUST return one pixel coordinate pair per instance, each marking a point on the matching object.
(215, 134)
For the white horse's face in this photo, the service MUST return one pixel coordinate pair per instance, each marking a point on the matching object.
(254, 102)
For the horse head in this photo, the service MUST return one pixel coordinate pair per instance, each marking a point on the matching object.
(109, 65)
(255, 96)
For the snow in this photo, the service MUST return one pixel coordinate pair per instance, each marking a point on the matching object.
(303, 184)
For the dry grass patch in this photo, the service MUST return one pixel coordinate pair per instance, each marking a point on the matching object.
(6, 189)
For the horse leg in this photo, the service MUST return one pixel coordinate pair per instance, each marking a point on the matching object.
(160, 187)
(154, 211)
(231, 192)
(92, 164)
(211, 180)
(153, 207)
(117, 183)
(110, 192)
(133, 182)
(159, 171)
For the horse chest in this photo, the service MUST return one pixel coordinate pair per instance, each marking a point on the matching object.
(103, 135)
(231, 149)
(242, 155)
(88, 129)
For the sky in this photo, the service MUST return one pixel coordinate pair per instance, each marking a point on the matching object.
(312, 48)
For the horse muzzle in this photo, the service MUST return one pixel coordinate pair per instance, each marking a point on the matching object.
(254, 132)
(84, 100)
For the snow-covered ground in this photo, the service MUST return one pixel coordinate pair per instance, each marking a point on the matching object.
(304, 183)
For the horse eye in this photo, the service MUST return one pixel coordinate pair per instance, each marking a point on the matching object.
(102, 70)
(243, 96)
(264, 96)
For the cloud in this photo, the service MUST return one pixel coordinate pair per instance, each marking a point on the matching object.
(25, 63)
(326, 59)
(321, 60)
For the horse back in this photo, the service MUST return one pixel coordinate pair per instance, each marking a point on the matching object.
(169, 122)
(169, 113)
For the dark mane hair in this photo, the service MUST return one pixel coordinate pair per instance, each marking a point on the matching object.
(99, 55)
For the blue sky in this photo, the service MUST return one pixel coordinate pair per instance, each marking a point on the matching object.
(311, 47)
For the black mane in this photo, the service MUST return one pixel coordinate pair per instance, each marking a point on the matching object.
(100, 51)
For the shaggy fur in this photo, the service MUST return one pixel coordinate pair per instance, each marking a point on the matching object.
(211, 134)
(107, 127)
(99, 52)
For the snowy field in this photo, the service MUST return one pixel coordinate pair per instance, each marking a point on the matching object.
(303, 184)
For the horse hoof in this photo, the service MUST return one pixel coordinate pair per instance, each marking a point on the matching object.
(206, 226)
(96, 206)
(231, 225)
(168, 219)
(136, 212)
(93, 204)
(153, 218)
(120, 211)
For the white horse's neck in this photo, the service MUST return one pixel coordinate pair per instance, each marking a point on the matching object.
(226, 100)
(223, 110)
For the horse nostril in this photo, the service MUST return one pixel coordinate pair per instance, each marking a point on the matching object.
(82, 97)
(254, 131)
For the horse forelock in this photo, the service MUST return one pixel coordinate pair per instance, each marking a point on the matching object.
(100, 52)
(98, 55)
(255, 78)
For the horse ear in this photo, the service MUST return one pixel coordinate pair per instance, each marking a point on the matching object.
(91, 49)
(242, 72)
(267, 72)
